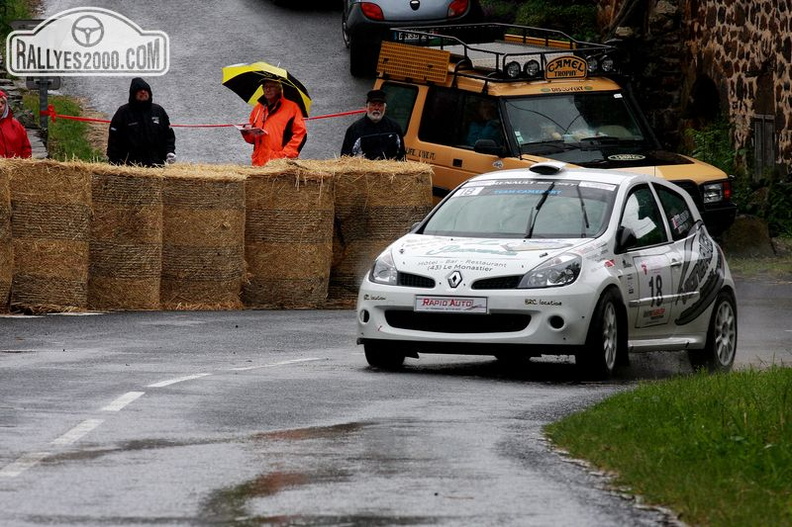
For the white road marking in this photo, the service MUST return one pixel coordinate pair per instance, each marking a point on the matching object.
(78, 432)
(178, 379)
(273, 364)
(25, 462)
(122, 401)
(29, 460)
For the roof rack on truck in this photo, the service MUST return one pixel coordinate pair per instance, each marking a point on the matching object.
(497, 52)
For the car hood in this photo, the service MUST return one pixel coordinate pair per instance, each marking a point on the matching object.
(620, 156)
(439, 255)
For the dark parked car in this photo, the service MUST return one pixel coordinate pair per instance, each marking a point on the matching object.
(366, 24)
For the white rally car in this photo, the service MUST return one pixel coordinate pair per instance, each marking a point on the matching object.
(553, 260)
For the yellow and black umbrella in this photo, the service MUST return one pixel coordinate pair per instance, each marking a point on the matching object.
(245, 80)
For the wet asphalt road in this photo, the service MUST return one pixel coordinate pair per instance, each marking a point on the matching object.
(273, 418)
(204, 37)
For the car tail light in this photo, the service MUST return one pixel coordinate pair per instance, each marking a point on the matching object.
(457, 8)
(372, 11)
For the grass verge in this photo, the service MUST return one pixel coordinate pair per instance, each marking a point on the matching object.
(717, 449)
(67, 139)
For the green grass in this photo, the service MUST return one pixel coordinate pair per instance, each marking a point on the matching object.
(717, 449)
(67, 140)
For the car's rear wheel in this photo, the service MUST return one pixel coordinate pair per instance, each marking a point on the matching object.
(721, 347)
(605, 344)
(383, 354)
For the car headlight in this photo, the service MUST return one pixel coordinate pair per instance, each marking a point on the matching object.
(555, 272)
(384, 270)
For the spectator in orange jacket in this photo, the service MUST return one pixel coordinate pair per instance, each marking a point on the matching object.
(276, 126)
(14, 140)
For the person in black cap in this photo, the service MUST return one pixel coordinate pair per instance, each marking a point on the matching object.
(374, 135)
(140, 131)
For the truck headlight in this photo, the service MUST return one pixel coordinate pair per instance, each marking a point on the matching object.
(712, 192)
(556, 272)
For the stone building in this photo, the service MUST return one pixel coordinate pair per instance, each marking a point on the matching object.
(696, 60)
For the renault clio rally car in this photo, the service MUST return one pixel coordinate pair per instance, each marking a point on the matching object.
(553, 260)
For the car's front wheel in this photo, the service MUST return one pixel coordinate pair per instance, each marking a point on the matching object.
(383, 354)
(605, 340)
(721, 347)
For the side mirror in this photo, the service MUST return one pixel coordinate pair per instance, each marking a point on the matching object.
(489, 147)
(625, 239)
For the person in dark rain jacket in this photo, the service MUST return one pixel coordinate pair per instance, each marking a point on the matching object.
(140, 131)
(374, 136)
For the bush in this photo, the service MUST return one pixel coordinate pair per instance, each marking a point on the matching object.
(767, 198)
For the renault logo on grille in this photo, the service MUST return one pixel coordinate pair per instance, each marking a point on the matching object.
(454, 279)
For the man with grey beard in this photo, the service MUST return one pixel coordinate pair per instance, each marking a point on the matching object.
(375, 136)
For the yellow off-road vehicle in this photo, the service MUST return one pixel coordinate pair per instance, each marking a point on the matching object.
(481, 97)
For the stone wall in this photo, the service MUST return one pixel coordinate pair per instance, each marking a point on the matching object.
(694, 59)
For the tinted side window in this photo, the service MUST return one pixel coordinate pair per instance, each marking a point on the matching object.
(481, 120)
(678, 214)
(642, 215)
(440, 122)
(401, 100)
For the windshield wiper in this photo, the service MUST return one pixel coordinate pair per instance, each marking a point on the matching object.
(535, 210)
(583, 208)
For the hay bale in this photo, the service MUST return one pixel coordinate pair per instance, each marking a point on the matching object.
(126, 238)
(289, 236)
(203, 264)
(6, 253)
(50, 226)
(376, 203)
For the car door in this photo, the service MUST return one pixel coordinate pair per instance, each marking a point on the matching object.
(651, 266)
(694, 281)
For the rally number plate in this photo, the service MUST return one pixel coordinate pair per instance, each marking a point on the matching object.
(451, 304)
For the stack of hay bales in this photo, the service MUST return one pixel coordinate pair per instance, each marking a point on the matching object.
(126, 238)
(376, 203)
(296, 234)
(50, 227)
(289, 235)
(6, 254)
(203, 258)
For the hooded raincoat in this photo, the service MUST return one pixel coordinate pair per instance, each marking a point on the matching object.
(140, 131)
(284, 130)
(14, 140)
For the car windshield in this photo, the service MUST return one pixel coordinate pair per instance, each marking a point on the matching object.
(525, 209)
(556, 123)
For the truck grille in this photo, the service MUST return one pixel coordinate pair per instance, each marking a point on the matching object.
(457, 322)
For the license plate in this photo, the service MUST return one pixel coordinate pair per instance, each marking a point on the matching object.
(451, 304)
